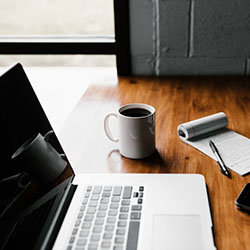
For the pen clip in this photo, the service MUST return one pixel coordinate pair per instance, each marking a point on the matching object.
(221, 168)
(225, 172)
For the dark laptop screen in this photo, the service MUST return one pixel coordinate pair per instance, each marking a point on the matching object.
(21, 116)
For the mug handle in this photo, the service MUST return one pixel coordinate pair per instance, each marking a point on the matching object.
(47, 135)
(46, 138)
(63, 156)
(106, 127)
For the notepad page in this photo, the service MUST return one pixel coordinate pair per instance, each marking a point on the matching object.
(233, 148)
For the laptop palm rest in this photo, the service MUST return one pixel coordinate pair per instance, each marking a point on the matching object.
(177, 232)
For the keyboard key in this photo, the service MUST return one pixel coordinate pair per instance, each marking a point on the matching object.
(112, 212)
(85, 201)
(75, 230)
(82, 208)
(106, 244)
(77, 223)
(92, 246)
(97, 190)
(109, 228)
(111, 220)
(124, 209)
(80, 215)
(91, 210)
(106, 194)
(107, 236)
(140, 201)
(115, 199)
(93, 203)
(135, 216)
(99, 222)
(119, 240)
(136, 207)
(122, 223)
(72, 239)
(81, 242)
(141, 195)
(87, 194)
(89, 188)
(107, 188)
(104, 200)
(95, 197)
(95, 237)
(133, 235)
(101, 214)
(135, 194)
(97, 229)
(103, 207)
(117, 248)
(120, 231)
(127, 192)
(86, 225)
(114, 205)
(141, 188)
(125, 202)
(88, 217)
(123, 216)
(117, 191)
(84, 233)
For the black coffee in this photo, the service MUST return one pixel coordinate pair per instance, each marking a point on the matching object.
(135, 112)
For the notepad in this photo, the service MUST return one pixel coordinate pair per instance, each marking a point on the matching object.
(233, 147)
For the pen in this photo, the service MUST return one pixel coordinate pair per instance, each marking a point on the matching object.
(219, 161)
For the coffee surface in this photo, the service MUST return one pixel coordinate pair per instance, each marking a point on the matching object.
(135, 112)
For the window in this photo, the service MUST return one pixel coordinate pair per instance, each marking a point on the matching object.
(57, 17)
(63, 27)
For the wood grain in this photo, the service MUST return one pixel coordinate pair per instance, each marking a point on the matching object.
(176, 100)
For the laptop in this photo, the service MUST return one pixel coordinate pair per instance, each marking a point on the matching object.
(97, 211)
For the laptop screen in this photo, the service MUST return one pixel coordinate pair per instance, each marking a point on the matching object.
(21, 117)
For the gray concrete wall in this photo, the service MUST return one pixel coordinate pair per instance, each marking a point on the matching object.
(190, 37)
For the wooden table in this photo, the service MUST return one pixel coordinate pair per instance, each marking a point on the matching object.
(176, 100)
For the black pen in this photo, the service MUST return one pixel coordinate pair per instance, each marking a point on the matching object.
(219, 161)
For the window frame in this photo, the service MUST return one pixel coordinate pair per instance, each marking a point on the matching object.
(118, 45)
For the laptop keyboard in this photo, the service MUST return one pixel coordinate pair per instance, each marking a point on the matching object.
(108, 218)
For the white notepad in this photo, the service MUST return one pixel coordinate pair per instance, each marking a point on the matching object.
(233, 147)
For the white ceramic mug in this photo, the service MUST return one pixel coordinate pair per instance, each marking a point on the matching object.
(40, 158)
(136, 126)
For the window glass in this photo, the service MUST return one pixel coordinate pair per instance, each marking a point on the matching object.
(57, 17)
(60, 17)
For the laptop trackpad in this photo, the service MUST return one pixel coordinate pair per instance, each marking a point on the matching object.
(177, 232)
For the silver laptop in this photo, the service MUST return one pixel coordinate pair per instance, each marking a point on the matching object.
(99, 211)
